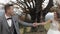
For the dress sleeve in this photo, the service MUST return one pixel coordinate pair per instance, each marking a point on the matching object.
(49, 16)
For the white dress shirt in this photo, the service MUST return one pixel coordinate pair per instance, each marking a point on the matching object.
(8, 21)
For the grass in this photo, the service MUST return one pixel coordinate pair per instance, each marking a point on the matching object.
(29, 28)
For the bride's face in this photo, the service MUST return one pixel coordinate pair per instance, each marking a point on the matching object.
(56, 17)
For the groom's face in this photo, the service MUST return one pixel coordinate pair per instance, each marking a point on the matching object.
(10, 10)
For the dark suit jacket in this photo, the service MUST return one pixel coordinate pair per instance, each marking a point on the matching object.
(3, 24)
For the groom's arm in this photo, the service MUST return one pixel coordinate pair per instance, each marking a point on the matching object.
(25, 23)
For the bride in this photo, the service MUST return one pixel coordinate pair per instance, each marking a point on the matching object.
(54, 23)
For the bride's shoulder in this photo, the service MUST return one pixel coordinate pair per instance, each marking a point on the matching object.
(49, 16)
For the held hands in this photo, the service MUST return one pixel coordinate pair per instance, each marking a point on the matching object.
(37, 24)
(43, 23)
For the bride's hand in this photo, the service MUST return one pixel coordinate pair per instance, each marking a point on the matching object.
(41, 23)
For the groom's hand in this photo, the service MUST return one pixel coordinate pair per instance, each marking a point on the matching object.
(35, 24)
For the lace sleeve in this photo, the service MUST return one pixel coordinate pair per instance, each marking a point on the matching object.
(49, 16)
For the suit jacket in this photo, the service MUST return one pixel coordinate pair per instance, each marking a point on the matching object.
(3, 24)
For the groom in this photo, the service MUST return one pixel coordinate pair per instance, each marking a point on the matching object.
(9, 23)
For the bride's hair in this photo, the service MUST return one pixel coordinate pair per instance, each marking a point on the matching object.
(58, 13)
(53, 9)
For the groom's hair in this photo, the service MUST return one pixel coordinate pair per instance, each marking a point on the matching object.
(7, 6)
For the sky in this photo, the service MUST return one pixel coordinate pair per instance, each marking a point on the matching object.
(6, 1)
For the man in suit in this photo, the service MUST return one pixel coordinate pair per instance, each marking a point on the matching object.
(9, 23)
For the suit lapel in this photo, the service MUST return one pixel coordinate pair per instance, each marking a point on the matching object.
(14, 21)
(5, 22)
(15, 24)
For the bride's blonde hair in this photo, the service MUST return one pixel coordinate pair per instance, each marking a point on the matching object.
(58, 13)
(53, 9)
(56, 10)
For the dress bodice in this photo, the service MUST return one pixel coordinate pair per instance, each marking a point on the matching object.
(54, 25)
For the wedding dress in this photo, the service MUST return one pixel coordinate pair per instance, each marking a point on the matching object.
(54, 28)
(54, 25)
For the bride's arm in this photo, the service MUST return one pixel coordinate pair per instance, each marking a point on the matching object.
(43, 23)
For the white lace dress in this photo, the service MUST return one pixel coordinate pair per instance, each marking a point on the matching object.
(54, 25)
(54, 28)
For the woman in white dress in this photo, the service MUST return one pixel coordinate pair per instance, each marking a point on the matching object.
(54, 23)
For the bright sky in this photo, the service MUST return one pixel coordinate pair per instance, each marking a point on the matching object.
(5, 1)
